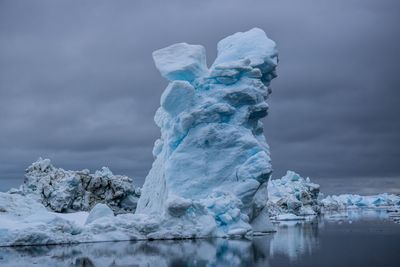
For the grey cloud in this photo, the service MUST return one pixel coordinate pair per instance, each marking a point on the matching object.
(78, 85)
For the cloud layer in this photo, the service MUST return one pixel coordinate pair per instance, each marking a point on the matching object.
(78, 85)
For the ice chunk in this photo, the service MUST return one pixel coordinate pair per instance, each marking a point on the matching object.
(69, 191)
(288, 217)
(248, 49)
(293, 194)
(181, 61)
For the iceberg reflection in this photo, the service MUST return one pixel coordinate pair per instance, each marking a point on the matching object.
(215, 252)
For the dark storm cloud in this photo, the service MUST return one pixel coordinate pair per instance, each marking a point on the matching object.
(78, 85)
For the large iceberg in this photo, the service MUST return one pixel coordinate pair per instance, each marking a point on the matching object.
(212, 157)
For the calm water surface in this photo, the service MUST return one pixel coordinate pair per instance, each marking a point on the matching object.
(367, 238)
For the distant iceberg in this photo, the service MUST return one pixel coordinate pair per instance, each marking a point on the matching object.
(293, 197)
(292, 194)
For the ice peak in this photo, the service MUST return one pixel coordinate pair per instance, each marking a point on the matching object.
(181, 61)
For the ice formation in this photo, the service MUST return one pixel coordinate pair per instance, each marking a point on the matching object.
(294, 195)
(356, 201)
(212, 158)
(69, 191)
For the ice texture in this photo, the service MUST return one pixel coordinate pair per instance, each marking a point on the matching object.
(71, 191)
(212, 158)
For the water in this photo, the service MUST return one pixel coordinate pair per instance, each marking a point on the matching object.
(367, 238)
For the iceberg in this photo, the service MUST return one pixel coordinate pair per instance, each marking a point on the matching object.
(293, 194)
(293, 197)
(72, 191)
(212, 158)
(345, 201)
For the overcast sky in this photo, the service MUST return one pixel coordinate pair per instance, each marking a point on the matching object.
(78, 84)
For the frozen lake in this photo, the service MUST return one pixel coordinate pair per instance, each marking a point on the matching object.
(361, 238)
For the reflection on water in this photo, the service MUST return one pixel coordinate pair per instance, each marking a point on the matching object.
(293, 239)
(292, 242)
(217, 252)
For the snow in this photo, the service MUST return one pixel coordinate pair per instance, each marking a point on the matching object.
(212, 158)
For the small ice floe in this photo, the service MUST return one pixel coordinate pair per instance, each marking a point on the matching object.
(288, 217)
